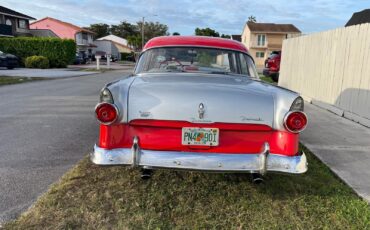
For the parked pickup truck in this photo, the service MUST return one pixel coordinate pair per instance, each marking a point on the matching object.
(272, 65)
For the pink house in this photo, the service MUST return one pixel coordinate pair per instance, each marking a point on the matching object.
(82, 37)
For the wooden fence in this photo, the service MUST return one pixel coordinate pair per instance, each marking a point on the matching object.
(331, 69)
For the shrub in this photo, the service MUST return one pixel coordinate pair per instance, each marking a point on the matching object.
(127, 56)
(39, 62)
(59, 52)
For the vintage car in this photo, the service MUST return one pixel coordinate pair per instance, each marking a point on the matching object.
(196, 103)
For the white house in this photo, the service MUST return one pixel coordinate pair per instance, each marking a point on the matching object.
(113, 45)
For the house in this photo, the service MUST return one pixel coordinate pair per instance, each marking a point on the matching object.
(13, 23)
(113, 45)
(236, 37)
(82, 37)
(359, 18)
(263, 38)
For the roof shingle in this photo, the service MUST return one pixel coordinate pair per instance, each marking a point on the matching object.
(8, 11)
(359, 18)
(272, 27)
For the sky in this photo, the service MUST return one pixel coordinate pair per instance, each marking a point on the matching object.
(227, 17)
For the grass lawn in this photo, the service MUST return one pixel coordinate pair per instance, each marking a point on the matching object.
(6, 80)
(267, 79)
(101, 70)
(93, 197)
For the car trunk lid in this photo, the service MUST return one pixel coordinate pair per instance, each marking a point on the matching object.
(200, 98)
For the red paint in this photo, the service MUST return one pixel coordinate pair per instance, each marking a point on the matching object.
(166, 136)
(106, 113)
(296, 121)
(201, 41)
(272, 64)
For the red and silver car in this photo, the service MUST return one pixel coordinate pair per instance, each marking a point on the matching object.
(196, 103)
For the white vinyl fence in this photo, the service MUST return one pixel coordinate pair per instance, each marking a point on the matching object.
(331, 69)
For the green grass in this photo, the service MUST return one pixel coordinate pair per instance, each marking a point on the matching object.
(6, 80)
(267, 79)
(93, 197)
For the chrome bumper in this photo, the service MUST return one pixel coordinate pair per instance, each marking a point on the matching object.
(218, 162)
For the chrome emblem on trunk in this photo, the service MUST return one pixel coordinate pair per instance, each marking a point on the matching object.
(201, 111)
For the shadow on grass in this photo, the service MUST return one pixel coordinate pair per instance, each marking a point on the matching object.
(90, 196)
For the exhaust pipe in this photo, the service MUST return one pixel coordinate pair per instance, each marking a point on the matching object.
(257, 178)
(146, 174)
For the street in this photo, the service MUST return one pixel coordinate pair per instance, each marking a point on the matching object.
(46, 128)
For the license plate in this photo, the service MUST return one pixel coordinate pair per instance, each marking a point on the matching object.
(200, 136)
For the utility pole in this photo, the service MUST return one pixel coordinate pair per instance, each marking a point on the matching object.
(142, 34)
(142, 30)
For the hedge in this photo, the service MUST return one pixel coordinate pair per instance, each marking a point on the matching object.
(39, 62)
(60, 52)
(127, 56)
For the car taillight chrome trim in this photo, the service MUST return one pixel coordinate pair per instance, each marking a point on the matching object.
(286, 118)
(106, 96)
(297, 105)
(106, 103)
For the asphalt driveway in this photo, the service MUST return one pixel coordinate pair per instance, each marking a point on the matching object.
(44, 73)
(46, 127)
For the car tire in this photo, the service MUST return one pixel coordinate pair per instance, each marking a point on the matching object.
(275, 77)
(10, 67)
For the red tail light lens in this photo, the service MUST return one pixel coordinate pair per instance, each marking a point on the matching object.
(295, 121)
(106, 113)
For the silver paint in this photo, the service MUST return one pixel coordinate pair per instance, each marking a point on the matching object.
(228, 98)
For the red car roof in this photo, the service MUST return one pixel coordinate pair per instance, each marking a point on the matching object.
(200, 41)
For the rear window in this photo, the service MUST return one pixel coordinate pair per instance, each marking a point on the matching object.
(274, 54)
(196, 59)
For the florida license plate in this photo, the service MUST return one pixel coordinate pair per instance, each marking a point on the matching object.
(200, 136)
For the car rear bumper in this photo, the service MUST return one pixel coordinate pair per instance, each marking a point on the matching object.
(267, 72)
(218, 162)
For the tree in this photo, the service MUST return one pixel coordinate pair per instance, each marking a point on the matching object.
(206, 32)
(175, 34)
(100, 29)
(125, 29)
(225, 36)
(134, 41)
(252, 19)
(153, 29)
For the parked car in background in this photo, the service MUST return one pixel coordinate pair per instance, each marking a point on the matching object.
(196, 103)
(80, 59)
(9, 61)
(272, 65)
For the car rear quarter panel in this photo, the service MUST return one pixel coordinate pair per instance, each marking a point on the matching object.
(120, 93)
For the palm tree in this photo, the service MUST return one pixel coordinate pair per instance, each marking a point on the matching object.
(252, 19)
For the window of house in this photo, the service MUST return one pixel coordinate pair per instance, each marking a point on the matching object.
(261, 39)
(84, 36)
(8, 22)
(260, 54)
(22, 24)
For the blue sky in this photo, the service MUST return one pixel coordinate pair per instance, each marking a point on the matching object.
(224, 16)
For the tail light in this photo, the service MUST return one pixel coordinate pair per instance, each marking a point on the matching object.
(106, 113)
(295, 121)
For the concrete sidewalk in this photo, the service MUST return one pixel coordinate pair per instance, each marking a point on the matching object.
(44, 73)
(341, 144)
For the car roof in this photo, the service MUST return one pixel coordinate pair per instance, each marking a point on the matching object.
(196, 41)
